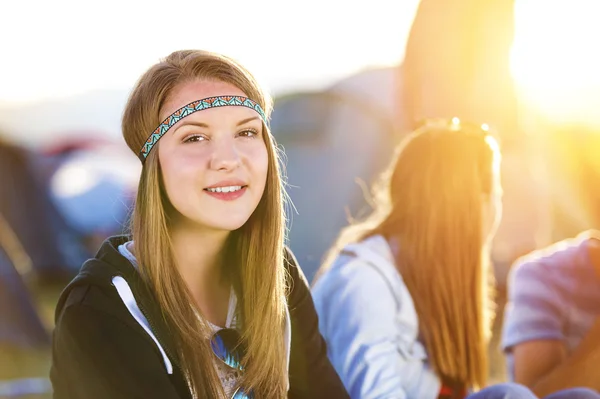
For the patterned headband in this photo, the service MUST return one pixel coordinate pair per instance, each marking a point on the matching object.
(198, 105)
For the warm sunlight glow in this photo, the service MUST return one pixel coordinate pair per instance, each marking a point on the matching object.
(555, 60)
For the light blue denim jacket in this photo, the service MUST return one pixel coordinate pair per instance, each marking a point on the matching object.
(368, 319)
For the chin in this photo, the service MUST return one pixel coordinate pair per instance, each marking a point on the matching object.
(228, 219)
(231, 224)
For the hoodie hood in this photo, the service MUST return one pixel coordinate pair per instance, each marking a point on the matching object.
(101, 271)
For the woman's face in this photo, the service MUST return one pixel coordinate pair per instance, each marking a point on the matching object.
(214, 162)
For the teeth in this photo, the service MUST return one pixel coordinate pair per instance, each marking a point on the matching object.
(227, 189)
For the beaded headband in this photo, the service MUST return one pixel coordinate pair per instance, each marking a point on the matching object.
(198, 105)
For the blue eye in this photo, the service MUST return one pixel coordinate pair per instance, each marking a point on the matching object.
(194, 139)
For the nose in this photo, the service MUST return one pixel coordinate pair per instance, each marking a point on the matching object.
(225, 155)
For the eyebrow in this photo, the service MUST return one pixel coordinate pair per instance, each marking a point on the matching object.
(204, 125)
(244, 121)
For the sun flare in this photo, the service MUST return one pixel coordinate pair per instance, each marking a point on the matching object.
(555, 61)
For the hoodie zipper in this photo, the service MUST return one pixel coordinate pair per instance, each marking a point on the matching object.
(158, 334)
(167, 350)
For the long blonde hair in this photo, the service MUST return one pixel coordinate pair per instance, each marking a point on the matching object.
(253, 253)
(430, 201)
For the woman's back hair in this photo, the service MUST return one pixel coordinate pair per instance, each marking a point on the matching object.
(429, 200)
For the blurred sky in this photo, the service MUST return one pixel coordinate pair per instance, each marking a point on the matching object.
(62, 47)
(555, 60)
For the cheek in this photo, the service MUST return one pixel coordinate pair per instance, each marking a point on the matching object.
(179, 174)
(258, 160)
(264, 163)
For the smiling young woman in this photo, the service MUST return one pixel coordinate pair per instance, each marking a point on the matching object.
(202, 299)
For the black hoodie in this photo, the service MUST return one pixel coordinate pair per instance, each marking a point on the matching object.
(101, 352)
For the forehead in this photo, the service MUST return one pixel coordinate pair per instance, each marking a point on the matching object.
(188, 92)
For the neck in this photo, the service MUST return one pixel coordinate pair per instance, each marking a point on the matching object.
(198, 255)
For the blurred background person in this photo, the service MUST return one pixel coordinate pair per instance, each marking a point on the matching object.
(403, 299)
(552, 321)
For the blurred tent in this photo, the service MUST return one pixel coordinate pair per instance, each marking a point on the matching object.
(27, 208)
(23, 333)
(50, 205)
(20, 324)
(24, 339)
(336, 143)
(92, 185)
